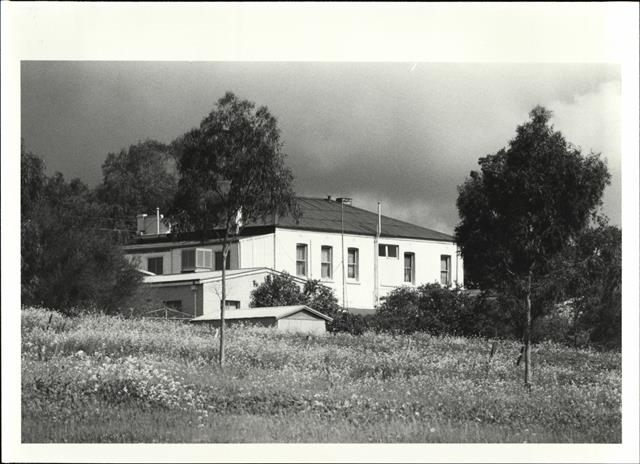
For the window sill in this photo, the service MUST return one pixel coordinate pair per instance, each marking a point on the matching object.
(353, 282)
(399, 284)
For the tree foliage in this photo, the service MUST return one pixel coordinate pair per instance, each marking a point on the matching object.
(232, 171)
(232, 164)
(282, 290)
(526, 202)
(595, 283)
(439, 310)
(522, 209)
(67, 259)
(277, 290)
(137, 181)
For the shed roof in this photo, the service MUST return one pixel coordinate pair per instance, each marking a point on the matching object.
(277, 312)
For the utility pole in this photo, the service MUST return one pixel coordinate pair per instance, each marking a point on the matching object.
(376, 276)
(344, 288)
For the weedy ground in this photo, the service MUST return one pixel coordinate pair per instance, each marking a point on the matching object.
(107, 379)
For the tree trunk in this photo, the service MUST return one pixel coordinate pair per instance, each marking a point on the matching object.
(575, 324)
(527, 336)
(223, 300)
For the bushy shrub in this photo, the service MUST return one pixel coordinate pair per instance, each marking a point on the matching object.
(428, 308)
(277, 290)
(399, 312)
(494, 316)
(559, 326)
(320, 298)
(282, 290)
(438, 310)
(355, 324)
(554, 327)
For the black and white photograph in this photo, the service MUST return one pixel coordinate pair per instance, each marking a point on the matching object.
(383, 249)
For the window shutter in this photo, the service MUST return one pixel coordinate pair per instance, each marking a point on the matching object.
(188, 259)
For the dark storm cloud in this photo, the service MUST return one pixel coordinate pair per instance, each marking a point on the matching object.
(405, 134)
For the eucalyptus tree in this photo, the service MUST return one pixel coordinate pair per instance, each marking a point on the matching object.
(231, 171)
(522, 208)
(137, 180)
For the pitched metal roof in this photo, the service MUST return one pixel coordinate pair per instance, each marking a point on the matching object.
(323, 214)
(318, 214)
(277, 312)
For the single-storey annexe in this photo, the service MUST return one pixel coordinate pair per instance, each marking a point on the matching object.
(199, 293)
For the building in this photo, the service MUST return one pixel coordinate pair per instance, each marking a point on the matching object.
(297, 319)
(359, 254)
(194, 294)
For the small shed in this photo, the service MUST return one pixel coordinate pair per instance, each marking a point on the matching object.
(298, 319)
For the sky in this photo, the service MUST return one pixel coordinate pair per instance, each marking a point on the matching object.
(404, 134)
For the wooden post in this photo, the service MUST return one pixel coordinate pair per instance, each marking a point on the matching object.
(223, 302)
(527, 336)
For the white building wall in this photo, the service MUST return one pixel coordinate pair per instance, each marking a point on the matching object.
(426, 263)
(278, 251)
(256, 251)
(360, 293)
(239, 288)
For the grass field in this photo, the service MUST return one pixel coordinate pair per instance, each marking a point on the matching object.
(105, 379)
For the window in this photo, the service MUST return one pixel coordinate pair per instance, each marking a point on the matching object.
(218, 262)
(155, 265)
(301, 259)
(326, 259)
(409, 267)
(445, 270)
(196, 258)
(188, 259)
(352, 263)
(390, 251)
(203, 258)
(232, 304)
